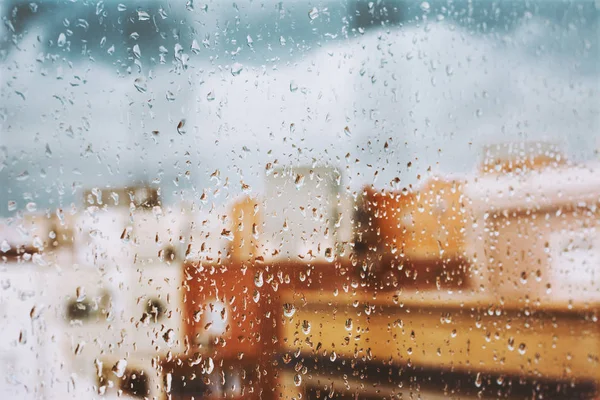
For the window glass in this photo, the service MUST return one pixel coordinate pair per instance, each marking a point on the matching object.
(299, 200)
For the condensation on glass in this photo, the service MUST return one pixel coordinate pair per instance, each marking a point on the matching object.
(299, 200)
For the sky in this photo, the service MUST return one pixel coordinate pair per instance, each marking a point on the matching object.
(403, 101)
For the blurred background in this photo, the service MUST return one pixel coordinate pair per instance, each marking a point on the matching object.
(292, 199)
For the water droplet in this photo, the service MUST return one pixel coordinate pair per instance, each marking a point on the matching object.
(293, 86)
(80, 293)
(511, 343)
(289, 310)
(181, 127)
(347, 131)
(209, 365)
(168, 382)
(305, 327)
(333, 356)
(258, 279)
(4, 246)
(210, 96)
(478, 380)
(297, 379)
(169, 337)
(286, 358)
(329, 256)
(79, 348)
(136, 51)
(268, 169)
(425, 6)
(98, 364)
(121, 7)
(299, 181)
(140, 85)
(143, 15)
(522, 348)
(62, 40)
(348, 324)
(195, 47)
(119, 368)
(226, 234)
(236, 69)
(313, 13)
(23, 176)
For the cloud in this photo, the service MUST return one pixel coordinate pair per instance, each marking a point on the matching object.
(434, 93)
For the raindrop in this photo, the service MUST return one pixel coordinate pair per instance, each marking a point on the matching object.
(511, 343)
(143, 15)
(4, 246)
(289, 310)
(329, 256)
(121, 7)
(119, 368)
(195, 47)
(299, 181)
(181, 127)
(62, 40)
(80, 293)
(478, 380)
(210, 96)
(79, 348)
(209, 365)
(136, 51)
(305, 327)
(236, 69)
(258, 279)
(226, 234)
(23, 176)
(347, 131)
(425, 6)
(293, 86)
(348, 324)
(169, 337)
(168, 382)
(297, 379)
(140, 85)
(313, 13)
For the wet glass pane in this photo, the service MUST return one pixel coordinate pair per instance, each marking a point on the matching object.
(347, 199)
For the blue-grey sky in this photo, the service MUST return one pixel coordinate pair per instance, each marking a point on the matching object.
(93, 95)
